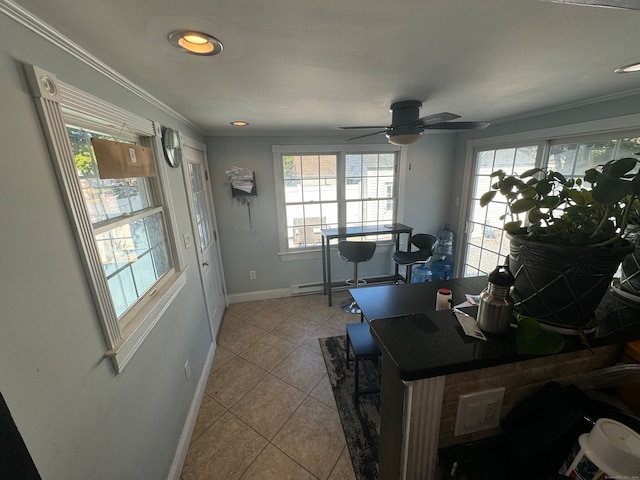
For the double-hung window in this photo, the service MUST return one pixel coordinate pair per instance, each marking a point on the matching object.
(127, 218)
(321, 187)
(486, 243)
(121, 221)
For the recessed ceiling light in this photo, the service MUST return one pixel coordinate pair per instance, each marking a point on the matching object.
(239, 123)
(197, 43)
(634, 67)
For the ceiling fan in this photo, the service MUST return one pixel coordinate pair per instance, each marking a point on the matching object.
(406, 127)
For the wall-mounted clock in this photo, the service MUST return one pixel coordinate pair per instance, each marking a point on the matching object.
(172, 147)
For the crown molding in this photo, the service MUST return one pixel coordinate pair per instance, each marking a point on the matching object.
(42, 29)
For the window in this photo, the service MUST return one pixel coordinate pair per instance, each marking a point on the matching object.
(486, 244)
(330, 187)
(128, 225)
(123, 226)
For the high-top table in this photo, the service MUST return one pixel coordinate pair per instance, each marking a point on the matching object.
(386, 301)
(329, 234)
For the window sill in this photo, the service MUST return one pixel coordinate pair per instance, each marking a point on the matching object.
(137, 331)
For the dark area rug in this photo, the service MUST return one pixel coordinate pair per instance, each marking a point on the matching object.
(360, 423)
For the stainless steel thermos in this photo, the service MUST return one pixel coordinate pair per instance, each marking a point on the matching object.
(496, 305)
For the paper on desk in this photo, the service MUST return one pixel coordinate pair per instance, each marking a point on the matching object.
(469, 325)
(472, 301)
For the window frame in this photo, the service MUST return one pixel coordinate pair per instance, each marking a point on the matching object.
(50, 96)
(591, 131)
(340, 150)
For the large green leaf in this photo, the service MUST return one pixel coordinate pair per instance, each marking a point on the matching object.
(577, 197)
(543, 187)
(522, 205)
(532, 339)
(512, 227)
(487, 197)
(550, 202)
(619, 167)
(530, 172)
(611, 190)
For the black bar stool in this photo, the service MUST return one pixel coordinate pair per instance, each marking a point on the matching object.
(426, 244)
(355, 252)
(364, 348)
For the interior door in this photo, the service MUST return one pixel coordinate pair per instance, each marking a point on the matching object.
(205, 233)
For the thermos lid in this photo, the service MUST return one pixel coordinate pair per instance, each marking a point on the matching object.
(501, 276)
(444, 291)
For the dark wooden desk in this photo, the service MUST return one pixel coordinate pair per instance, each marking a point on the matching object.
(329, 234)
(386, 301)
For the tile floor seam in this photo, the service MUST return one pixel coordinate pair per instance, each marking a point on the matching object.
(335, 465)
(293, 460)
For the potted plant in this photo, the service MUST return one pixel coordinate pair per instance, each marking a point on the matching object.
(566, 240)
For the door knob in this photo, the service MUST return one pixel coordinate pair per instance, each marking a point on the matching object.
(205, 264)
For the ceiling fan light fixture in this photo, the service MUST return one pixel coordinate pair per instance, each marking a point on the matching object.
(196, 43)
(634, 67)
(404, 138)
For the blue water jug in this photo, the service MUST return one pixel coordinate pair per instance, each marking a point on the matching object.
(420, 274)
(446, 240)
(441, 269)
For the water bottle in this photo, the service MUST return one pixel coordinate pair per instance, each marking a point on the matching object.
(445, 246)
(442, 265)
(420, 274)
(496, 305)
(441, 269)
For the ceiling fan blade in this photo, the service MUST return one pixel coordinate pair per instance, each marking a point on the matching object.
(368, 135)
(437, 118)
(622, 4)
(362, 128)
(457, 126)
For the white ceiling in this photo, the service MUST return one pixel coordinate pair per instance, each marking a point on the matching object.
(306, 67)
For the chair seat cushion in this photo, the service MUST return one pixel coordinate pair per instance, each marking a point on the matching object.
(408, 258)
(361, 340)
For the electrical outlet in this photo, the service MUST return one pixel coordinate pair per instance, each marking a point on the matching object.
(187, 369)
(252, 274)
(478, 411)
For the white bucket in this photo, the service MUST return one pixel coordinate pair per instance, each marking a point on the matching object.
(610, 449)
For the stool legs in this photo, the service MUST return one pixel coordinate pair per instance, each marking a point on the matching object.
(363, 348)
(349, 305)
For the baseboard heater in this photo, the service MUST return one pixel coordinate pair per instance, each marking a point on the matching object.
(306, 288)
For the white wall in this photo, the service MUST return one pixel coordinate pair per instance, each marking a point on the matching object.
(425, 205)
(78, 419)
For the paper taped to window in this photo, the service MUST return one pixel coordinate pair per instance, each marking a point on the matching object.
(123, 160)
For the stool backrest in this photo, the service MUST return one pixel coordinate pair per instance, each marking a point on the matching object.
(356, 251)
(425, 241)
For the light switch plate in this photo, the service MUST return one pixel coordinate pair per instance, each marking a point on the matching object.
(478, 411)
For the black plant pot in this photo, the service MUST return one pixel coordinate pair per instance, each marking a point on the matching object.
(630, 279)
(561, 285)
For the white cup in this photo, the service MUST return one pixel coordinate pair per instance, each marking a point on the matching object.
(610, 449)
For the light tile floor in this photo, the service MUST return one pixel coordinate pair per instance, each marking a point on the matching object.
(268, 411)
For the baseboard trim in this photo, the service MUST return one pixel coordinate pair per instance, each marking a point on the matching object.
(190, 422)
(259, 295)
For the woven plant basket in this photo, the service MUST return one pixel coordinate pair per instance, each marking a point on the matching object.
(561, 285)
(630, 279)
